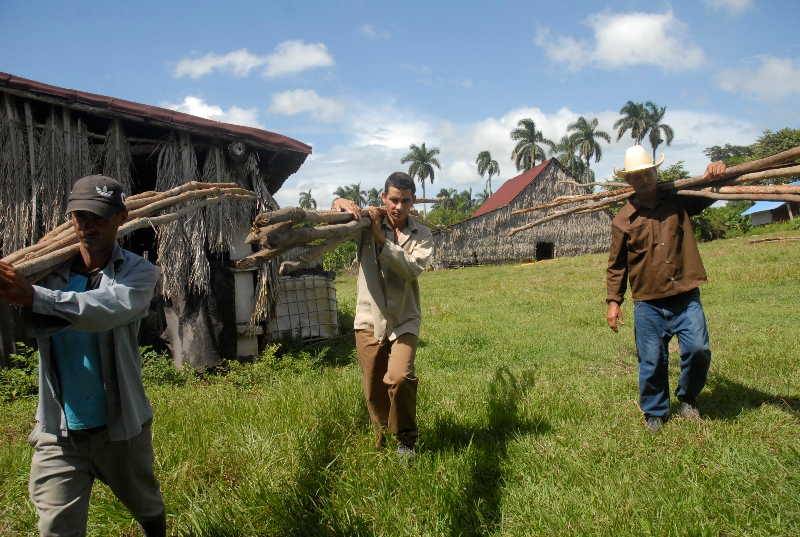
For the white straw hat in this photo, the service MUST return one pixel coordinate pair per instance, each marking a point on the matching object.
(637, 158)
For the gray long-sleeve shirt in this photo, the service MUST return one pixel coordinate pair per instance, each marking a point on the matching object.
(114, 311)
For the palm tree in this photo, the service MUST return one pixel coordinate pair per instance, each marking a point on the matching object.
(352, 192)
(585, 137)
(446, 198)
(307, 201)
(654, 117)
(528, 149)
(422, 162)
(464, 201)
(481, 198)
(487, 166)
(634, 118)
(566, 151)
(374, 197)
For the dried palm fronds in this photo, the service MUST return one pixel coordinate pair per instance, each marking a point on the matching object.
(117, 161)
(779, 165)
(15, 179)
(61, 244)
(181, 245)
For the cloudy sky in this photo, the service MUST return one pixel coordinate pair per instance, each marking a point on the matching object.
(360, 81)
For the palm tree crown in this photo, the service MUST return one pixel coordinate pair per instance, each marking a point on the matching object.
(352, 192)
(307, 201)
(486, 165)
(654, 117)
(374, 197)
(634, 118)
(528, 150)
(566, 151)
(422, 160)
(586, 137)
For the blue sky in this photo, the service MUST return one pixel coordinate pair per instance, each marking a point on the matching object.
(360, 81)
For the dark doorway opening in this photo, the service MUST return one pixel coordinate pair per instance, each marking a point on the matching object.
(544, 250)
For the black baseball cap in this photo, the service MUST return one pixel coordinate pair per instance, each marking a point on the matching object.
(97, 194)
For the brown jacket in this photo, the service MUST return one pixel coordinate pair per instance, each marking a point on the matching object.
(656, 249)
(388, 292)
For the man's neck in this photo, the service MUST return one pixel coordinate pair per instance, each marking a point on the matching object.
(95, 260)
(397, 226)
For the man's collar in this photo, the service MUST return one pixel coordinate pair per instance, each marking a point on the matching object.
(412, 226)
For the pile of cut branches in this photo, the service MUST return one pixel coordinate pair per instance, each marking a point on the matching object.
(61, 244)
(724, 187)
(278, 231)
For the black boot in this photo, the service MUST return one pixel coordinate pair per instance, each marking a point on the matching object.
(155, 527)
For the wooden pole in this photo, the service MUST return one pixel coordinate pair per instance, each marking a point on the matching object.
(752, 196)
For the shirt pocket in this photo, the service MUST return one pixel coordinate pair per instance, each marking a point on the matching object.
(640, 237)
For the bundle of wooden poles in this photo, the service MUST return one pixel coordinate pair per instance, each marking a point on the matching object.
(276, 232)
(727, 186)
(61, 244)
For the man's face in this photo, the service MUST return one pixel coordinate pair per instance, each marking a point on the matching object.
(95, 233)
(398, 203)
(643, 181)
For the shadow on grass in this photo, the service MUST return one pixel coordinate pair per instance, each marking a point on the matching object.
(304, 506)
(304, 509)
(727, 398)
(477, 510)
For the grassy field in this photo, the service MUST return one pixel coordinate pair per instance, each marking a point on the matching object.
(528, 419)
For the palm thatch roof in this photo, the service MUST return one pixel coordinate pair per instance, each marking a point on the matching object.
(482, 238)
(51, 136)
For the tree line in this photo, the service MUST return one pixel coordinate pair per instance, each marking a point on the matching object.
(575, 150)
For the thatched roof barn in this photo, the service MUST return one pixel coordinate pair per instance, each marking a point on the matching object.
(50, 136)
(481, 239)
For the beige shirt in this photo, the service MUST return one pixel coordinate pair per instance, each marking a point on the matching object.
(388, 292)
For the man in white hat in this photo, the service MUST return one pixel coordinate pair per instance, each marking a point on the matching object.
(653, 246)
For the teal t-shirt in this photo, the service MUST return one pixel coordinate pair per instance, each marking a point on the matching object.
(77, 357)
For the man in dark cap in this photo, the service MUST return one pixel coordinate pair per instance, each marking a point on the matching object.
(93, 419)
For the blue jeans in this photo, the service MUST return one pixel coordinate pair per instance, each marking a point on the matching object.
(656, 321)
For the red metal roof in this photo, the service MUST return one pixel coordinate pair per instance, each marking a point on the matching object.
(510, 190)
(257, 137)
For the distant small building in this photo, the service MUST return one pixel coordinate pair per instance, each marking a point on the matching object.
(482, 239)
(767, 212)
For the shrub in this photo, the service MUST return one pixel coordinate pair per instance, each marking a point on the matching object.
(21, 377)
(158, 369)
(720, 223)
(341, 258)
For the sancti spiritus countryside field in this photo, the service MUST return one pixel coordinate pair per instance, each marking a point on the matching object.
(528, 419)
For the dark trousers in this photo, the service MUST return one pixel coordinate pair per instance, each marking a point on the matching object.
(390, 387)
(656, 321)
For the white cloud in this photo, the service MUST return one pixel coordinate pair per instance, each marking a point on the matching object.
(732, 6)
(239, 62)
(774, 78)
(625, 40)
(292, 57)
(289, 57)
(373, 32)
(376, 138)
(301, 101)
(196, 106)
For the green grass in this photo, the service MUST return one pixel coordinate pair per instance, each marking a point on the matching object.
(528, 420)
